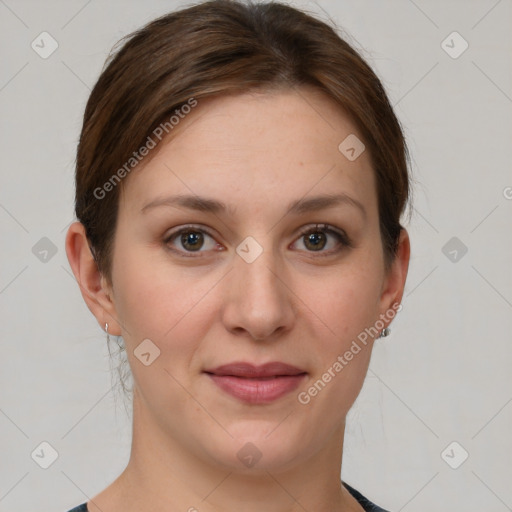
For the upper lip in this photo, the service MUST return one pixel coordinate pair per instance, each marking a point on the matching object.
(243, 369)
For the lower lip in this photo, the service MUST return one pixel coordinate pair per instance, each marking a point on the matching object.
(257, 391)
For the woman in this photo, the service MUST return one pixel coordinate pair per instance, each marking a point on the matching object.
(240, 179)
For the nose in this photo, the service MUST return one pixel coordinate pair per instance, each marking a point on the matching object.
(257, 299)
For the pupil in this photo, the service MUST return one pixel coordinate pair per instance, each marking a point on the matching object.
(317, 240)
(192, 239)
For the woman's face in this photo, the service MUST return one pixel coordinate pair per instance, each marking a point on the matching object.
(212, 265)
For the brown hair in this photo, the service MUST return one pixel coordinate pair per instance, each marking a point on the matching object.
(226, 47)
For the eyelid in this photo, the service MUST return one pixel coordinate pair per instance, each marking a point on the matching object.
(344, 240)
(321, 227)
(183, 229)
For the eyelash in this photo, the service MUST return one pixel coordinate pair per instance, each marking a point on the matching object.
(343, 240)
(342, 237)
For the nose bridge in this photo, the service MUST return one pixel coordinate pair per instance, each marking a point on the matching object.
(259, 276)
(258, 302)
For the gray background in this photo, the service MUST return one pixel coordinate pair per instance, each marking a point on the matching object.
(443, 375)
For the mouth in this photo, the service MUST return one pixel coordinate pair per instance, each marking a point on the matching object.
(256, 384)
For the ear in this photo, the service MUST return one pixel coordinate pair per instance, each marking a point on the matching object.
(394, 281)
(97, 293)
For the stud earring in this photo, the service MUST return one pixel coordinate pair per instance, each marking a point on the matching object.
(385, 332)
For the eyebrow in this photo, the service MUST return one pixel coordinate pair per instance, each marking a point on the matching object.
(300, 206)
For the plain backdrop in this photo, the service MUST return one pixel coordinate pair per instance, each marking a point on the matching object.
(439, 388)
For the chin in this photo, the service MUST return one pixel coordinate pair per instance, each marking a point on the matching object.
(257, 447)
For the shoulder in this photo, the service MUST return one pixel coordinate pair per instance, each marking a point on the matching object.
(363, 501)
(80, 508)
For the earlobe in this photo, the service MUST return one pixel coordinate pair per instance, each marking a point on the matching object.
(394, 282)
(93, 285)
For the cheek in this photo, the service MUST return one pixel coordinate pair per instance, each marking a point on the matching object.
(167, 305)
(152, 298)
(160, 304)
(346, 308)
(346, 303)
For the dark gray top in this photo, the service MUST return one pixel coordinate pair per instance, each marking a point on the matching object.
(364, 502)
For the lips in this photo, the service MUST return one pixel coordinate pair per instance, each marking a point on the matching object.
(257, 384)
(248, 370)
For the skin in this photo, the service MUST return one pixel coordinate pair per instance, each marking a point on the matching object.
(256, 152)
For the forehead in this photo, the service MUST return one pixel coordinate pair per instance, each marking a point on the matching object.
(256, 148)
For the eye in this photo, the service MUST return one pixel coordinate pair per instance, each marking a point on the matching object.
(323, 239)
(319, 238)
(190, 239)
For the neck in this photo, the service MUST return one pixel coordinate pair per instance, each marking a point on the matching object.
(163, 476)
